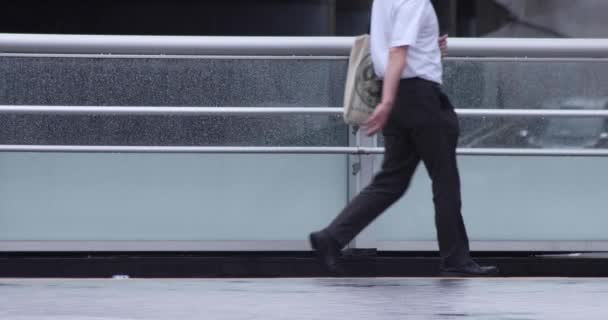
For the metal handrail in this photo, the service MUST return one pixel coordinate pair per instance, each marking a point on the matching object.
(293, 150)
(532, 113)
(284, 46)
(176, 110)
(164, 110)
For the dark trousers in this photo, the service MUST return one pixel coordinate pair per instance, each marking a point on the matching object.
(422, 127)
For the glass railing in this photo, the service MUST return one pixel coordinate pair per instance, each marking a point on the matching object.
(165, 144)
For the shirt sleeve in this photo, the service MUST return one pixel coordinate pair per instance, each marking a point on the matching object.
(406, 19)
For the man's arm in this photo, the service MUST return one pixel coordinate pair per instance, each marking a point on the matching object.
(397, 62)
(443, 45)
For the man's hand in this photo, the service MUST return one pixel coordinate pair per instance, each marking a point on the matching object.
(378, 119)
(443, 45)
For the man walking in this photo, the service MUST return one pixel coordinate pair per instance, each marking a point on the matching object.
(419, 124)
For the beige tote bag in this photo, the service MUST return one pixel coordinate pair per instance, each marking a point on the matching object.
(363, 90)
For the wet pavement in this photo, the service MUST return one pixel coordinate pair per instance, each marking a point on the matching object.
(269, 299)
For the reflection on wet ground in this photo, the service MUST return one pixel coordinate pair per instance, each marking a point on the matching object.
(268, 299)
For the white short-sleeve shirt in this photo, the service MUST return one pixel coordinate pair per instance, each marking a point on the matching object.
(411, 23)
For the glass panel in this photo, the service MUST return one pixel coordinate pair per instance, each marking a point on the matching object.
(519, 132)
(168, 197)
(510, 198)
(284, 130)
(172, 82)
(529, 85)
(547, 133)
(526, 84)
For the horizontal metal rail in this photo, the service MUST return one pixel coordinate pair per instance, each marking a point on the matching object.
(523, 152)
(293, 57)
(178, 149)
(176, 110)
(213, 57)
(528, 47)
(544, 60)
(166, 110)
(532, 113)
(327, 46)
(293, 150)
(174, 45)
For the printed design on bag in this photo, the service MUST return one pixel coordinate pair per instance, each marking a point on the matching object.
(368, 86)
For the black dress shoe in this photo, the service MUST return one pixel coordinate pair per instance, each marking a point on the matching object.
(470, 270)
(327, 251)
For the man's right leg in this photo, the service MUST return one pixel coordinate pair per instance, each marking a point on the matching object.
(400, 162)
